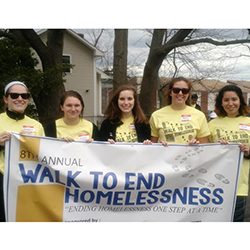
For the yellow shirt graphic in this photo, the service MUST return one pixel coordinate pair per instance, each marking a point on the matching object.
(126, 132)
(179, 126)
(79, 132)
(233, 130)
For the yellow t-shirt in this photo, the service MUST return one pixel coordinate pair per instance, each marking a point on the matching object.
(178, 126)
(126, 132)
(79, 132)
(27, 124)
(233, 130)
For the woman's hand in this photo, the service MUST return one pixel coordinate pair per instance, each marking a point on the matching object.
(4, 136)
(111, 141)
(244, 148)
(193, 142)
(89, 140)
(68, 139)
(147, 142)
(223, 142)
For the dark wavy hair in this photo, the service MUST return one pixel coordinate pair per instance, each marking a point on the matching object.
(113, 112)
(170, 87)
(219, 110)
(71, 93)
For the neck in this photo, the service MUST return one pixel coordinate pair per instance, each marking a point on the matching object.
(178, 107)
(126, 115)
(14, 115)
(71, 122)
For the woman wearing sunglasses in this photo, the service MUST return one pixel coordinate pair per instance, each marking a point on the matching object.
(16, 97)
(178, 122)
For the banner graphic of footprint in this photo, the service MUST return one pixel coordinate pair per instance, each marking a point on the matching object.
(220, 177)
(205, 183)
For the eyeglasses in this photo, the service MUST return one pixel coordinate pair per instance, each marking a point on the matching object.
(184, 90)
(25, 96)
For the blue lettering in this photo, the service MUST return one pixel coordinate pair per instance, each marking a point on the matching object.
(162, 180)
(220, 198)
(117, 198)
(127, 201)
(183, 197)
(96, 175)
(105, 180)
(192, 196)
(57, 174)
(68, 194)
(166, 196)
(46, 173)
(128, 182)
(85, 193)
(29, 175)
(151, 195)
(202, 193)
(101, 194)
(70, 179)
(146, 183)
(139, 198)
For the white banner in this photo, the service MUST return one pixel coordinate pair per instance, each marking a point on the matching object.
(48, 179)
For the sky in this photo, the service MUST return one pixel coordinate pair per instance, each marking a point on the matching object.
(136, 16)
(220, 63)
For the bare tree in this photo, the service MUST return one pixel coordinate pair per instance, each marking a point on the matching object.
(120, 57)
(162, 44)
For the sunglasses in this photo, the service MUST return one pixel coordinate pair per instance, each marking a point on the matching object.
(177, 90)
(25, 96)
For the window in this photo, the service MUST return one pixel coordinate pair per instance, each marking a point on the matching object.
(66, 60)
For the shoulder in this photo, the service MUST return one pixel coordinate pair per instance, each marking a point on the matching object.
(106, 122)
(84, 121)
(32, 121)
(163, 110)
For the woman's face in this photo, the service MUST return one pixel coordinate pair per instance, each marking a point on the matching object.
(72, 108)
(126, 101)
(231, 103)
(180, 93)
(17, 105)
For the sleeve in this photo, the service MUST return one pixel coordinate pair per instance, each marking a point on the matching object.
(154, 130)
(95, 133)
(210, 138)
(143, 132)
(104, 131)
(41, 132)
(50, 129)
(204, 130)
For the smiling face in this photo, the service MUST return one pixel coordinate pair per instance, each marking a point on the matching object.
(126, 102)
(231, 103)
(178, 97)
(72, 109)
(19, 104)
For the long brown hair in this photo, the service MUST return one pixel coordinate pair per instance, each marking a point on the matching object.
(170, 87)
(114, 114)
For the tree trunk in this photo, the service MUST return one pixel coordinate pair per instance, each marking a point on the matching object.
(158, 52)
(120, 57)
(150, 76)
(52, 87)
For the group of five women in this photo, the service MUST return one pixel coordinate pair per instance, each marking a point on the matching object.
(125, 121)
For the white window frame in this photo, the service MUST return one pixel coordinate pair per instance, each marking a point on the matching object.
(70, 62)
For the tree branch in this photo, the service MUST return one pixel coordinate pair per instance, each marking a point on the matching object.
(168, 47)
